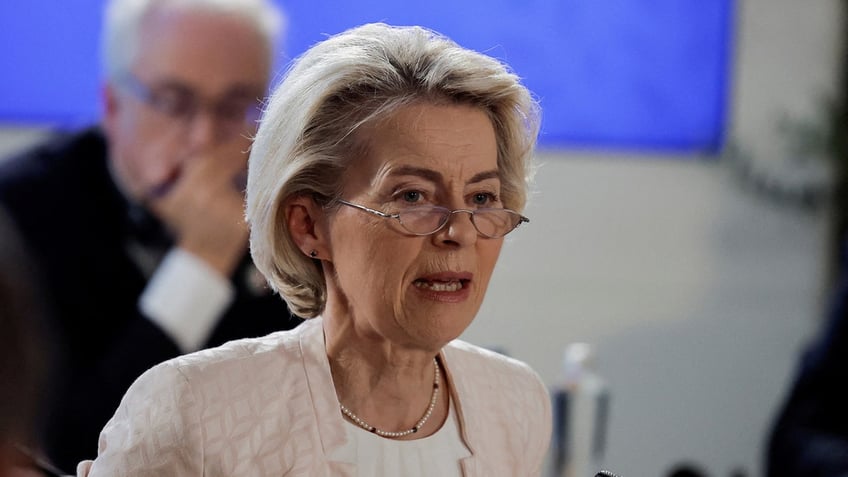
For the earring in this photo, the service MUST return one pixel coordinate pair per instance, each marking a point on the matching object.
(313, 253)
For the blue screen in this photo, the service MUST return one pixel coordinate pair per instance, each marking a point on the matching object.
(621, 74)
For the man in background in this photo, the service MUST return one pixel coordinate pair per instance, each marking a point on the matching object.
(137, 226)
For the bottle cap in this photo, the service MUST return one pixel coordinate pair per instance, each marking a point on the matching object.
(576, 359)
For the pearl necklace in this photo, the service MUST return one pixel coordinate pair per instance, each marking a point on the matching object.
(395, 434)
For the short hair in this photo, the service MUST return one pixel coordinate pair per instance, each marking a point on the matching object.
(306, 138)
(122, 20)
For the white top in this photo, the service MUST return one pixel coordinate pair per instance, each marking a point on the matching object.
(437, 455)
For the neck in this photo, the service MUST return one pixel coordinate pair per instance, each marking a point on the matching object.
(370, 377)
(394, 421)
(360, 349)
(389, 388)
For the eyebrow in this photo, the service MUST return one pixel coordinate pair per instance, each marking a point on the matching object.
(434, 176)
(237, 91)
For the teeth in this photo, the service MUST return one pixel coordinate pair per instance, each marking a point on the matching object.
(439, 286)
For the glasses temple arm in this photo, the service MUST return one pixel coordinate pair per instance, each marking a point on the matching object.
(369, 210)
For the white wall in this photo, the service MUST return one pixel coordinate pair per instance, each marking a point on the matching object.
(696, 292)
(17, 138)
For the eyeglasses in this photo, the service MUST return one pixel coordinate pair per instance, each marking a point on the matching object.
(429, 219)
(233, 113)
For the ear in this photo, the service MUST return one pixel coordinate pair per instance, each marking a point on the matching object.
(111, 103)
(305, 221)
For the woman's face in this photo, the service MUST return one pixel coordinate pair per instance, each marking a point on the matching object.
(416, 291)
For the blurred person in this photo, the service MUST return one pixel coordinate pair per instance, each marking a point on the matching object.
(24, 358)
(386, 171)
(809, 437)
(137, 225)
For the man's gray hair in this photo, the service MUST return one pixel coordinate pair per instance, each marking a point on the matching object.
(122, 20)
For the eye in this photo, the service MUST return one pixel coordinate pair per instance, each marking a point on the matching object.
(173, 102)
(411, 196)
(234, 109)
(483, 198)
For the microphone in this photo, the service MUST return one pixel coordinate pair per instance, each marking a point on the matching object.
(606, 473)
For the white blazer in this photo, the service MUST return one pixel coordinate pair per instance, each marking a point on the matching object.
(268, 407)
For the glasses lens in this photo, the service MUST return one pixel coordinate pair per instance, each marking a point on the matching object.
(495, 223)
(234, 114)
(423, 220)
(171, 101)
(177, 104)
(237, 113)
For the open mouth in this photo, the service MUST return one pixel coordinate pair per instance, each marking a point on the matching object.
(440, 285)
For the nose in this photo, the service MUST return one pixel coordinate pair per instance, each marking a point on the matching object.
(459, 231)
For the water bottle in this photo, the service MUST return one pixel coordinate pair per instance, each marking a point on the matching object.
(580, 408)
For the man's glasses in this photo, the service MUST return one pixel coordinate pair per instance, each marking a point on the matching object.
(233, 113)
(429, 219)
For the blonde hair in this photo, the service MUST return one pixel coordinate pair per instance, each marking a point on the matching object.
(305, 141)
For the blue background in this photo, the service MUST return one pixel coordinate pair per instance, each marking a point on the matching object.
(614, 74)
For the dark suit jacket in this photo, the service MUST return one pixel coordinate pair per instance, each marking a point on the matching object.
(810, 436)
(75, 223)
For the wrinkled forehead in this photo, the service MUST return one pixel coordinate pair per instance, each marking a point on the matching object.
(441, 144)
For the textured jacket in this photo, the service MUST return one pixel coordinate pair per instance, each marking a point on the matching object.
(268, 407)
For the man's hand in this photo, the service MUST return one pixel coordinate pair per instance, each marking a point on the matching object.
(203, 206)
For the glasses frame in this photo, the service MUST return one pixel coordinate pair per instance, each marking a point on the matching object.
(130, 83)
(396, 216)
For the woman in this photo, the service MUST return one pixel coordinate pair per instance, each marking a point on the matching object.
(388, 167)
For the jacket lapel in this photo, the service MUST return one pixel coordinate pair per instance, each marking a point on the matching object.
(469, 425)
(331, 430)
